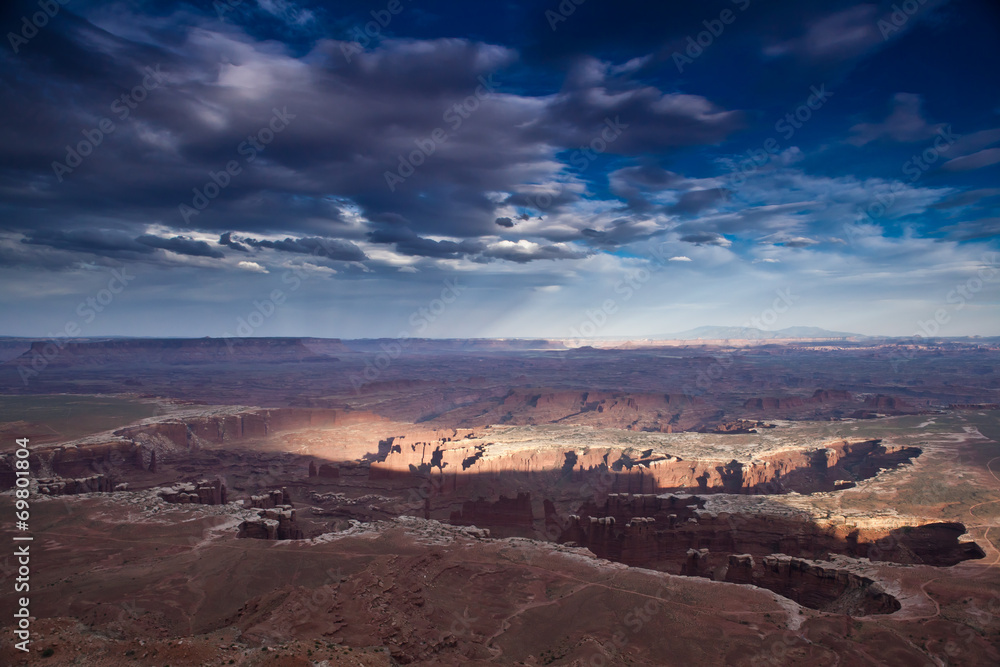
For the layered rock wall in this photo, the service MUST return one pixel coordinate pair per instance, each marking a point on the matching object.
(458, 468)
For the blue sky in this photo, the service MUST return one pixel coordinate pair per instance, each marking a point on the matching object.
(642, 167)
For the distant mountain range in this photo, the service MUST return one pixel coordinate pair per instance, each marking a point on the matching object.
(750, 333)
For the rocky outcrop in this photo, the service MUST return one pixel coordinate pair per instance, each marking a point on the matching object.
(203, 493)
(773, 403)
(275, 498)
(820, 396)
(886, 404)
(72, 460)
(831, 396)
(329, 471)
(664, 413)
(506, 517)
(276, 523)
(830, 403)
(823, 586)
(67, 487)
(658, 531)
(697, 564)
(93, 454)
(677, 535)
(740, 568)
(736, 426)
(143, 446)
(147, 445)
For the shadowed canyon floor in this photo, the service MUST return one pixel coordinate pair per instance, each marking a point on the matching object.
(517, 504)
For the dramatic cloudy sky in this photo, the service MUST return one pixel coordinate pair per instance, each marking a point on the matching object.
(598, 157)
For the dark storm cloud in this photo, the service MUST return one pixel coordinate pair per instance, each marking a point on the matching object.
(227, 240)
(627, 118)
(544, 201)
(621, 231)
(110, 242)
(696, 201)
(504, 222)
(635, 184)
(789, 241)
(706, 238)
(598, 237)
(522, 253)
(408, 243)
(336, 249)
(350, 121)
(116, 243)
(180, 245)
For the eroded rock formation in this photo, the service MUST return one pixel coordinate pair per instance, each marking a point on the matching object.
(823, 586)
(203, 492)
(681, 522)
(275, 523)
(66, 487)
(275, 498)
(674, 533)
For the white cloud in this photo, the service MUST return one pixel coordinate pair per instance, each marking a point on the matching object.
(252, 266)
